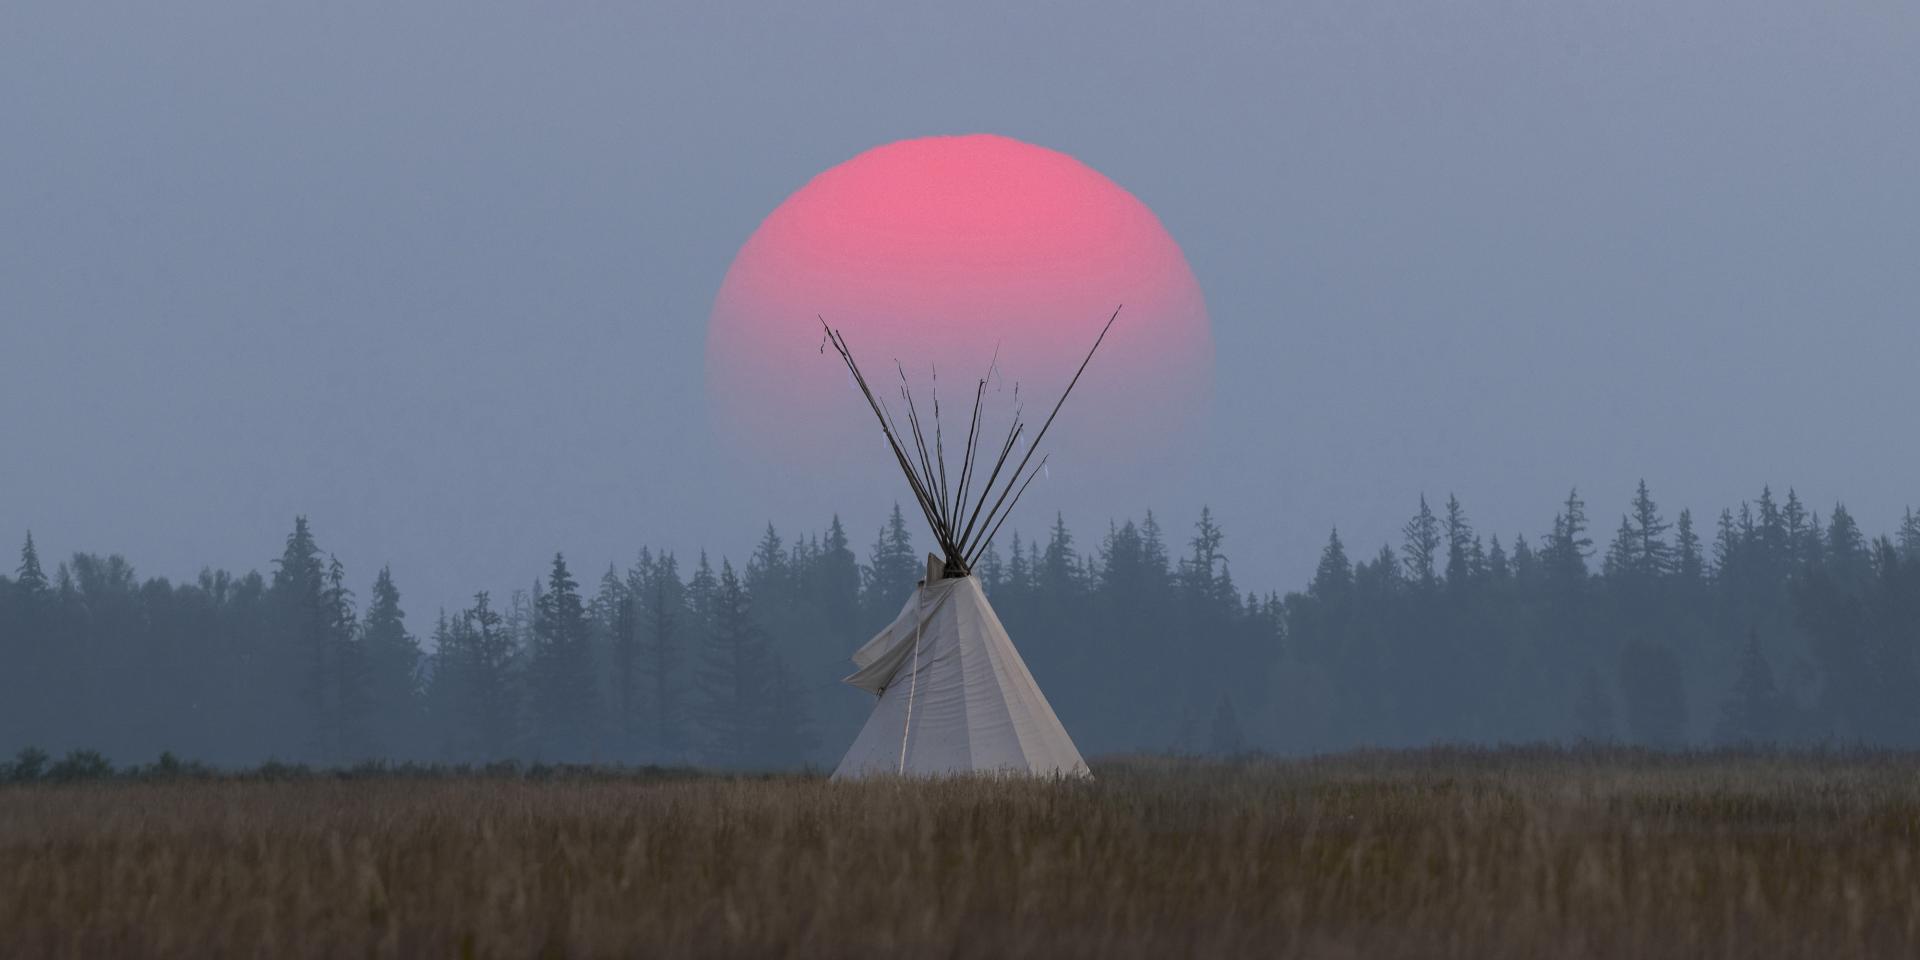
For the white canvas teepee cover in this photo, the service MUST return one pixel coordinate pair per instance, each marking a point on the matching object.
(955, 696)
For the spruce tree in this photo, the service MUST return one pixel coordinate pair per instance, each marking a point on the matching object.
(1566, 553)
(443, 698)
(625, 638)
(1059, 571)
(837, 584)
(31, 581)
(1333, 577)
(1122, 570)
(393, 664)
(1892, 607)
(665, 613)
(346, 697)
(1019, 579)
(1623, 553)
(27, 653)
(1847, 553)
(1688, 562)
(1799, 530)
(561, 671)
(1728, 548)
(1153, 550)
(768, 575)
(1460, 548)
(1653, 558)
(303, 674)
(484, 694)
(992, 571)
(891, 571)
(1201, 582)
(700, 596)
(1526, 565)
(605, 604)
(1498, 568)
(1775, 552)
(1421, 545)
(733, 679)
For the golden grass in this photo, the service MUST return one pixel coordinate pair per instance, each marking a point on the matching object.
(1445, 853)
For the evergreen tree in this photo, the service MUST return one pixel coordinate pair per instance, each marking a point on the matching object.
(1891, 604)
(1775, 552)
(701, 591)
(837, 582)
(1059, 566)
(1727, 544)
(1754, 712)
(27, 655)
(604, 608)
(1019, 578)
(1122, 568)
(892, 570)
(1847, 553)
(665, 610)
(346, 699)
(441, 694)
(734, 680)
(561, 671)
(393, 664)
(1333, 577)
(1422, 545)
(518, 621)
(1799, 530)
(303, 677)
(626, 672)
(992, 572)
(1567, 550)
(768, 576)
(1198, 569)
(1153, 546)
(1526, 566)
(1652, 558)
(235, 669)
(1498, 567)
(1460, 544)
(31, 581)
(1688, 562)
(1622, 555)
(475, 669)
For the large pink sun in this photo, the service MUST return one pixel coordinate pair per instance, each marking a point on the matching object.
(938, 252)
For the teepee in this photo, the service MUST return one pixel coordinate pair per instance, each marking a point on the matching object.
(954, 697)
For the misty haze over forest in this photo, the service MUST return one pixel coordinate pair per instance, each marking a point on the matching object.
(438, 277)
(1769, 623)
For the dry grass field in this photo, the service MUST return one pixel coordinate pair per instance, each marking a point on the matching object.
(1442, 853)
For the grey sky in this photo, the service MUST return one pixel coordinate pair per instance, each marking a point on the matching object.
(437, 274)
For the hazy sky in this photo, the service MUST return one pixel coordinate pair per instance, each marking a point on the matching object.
(437, 274)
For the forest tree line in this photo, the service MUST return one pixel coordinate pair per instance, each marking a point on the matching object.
(1774, 626)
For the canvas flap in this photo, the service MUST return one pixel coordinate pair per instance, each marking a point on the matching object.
(879, 659)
